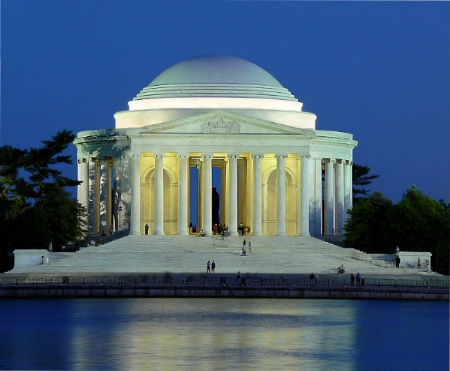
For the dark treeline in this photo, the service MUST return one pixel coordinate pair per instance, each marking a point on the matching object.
(416, 223)
(35, 206)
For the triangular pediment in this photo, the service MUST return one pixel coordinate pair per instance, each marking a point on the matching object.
(221, 122)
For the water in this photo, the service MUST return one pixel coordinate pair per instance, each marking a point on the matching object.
(223, 334)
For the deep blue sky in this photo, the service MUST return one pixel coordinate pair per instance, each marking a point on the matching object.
(378, 70)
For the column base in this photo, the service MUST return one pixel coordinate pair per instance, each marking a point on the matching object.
(159, 233)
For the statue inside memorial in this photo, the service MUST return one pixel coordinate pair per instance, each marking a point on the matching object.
(215, 206)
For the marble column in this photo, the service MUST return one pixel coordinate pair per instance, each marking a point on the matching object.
(207, 194)
(96, 198)
(135, 226)
(183, 224)
(103, 193)
(92, 186)
(233, 195)
(316, 198)
(339, 198)
(329, 198)
(281, 193)
(348, 197)
(105, 197)
(83, 188)
(119, 208)
(257, 198)
(108, 197)
(224, 197)
(304, 197)
(159, 195)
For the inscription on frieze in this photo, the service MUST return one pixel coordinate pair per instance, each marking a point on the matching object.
(220, 125)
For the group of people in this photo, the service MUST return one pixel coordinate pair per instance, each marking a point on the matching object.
(359, 280)
(220, 229)
(192, 228)
(243, 229)
(210, 266)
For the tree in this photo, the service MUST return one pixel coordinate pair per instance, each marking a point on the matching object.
(423, 224)
(36, 208)
(360, 179)
(416, 223)
(370, 227)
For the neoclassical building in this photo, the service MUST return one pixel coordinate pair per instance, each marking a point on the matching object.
(219, 122)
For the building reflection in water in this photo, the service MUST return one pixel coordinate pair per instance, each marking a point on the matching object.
(214, 334)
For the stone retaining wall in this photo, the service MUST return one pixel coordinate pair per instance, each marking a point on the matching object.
(101, 291)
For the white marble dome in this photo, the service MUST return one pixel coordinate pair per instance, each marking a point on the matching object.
(215, 76)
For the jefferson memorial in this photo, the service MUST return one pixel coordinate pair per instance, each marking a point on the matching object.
(215, 123)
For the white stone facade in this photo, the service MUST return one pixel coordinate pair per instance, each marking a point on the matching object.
(278, 174)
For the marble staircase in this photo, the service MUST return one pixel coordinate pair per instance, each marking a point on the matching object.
(277, 254)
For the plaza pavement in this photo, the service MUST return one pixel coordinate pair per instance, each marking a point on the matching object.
(189, 254)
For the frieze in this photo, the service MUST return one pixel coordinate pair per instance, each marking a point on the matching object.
(219, 125)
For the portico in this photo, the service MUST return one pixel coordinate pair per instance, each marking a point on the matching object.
(278, 174)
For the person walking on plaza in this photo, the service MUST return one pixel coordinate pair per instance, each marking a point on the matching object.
(244, 243)
(208, 266)
(397, 262)
(213, 266)
(352, 279)
(249, 246)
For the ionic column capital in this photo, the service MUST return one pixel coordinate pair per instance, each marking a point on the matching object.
(257, 155)
(232, 155)
(328, 161)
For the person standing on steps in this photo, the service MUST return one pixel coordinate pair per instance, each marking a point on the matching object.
(213, 266)
(312, 279)
(208, 266)
(146, 228)
(358, 279)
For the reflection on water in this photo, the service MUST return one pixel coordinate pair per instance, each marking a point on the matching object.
(223, 334)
